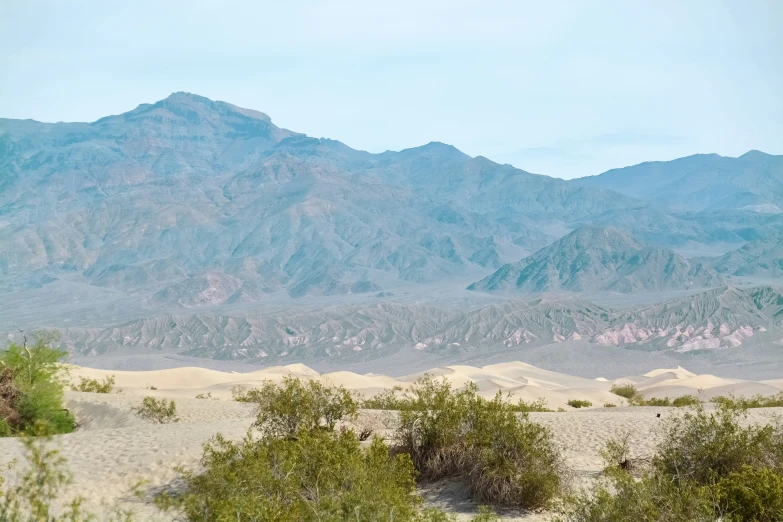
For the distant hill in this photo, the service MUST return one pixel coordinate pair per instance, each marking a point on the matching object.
(596, 258)
(753, 182)
(762, 257)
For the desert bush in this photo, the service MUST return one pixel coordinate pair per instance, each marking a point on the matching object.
(32, 386)
(157, 410)
(505, 458)
(751, 495)
(95, 386)
(385, 400)
(578, 403)
(653, 498)
(316, 475)
(610, 405)
(624, 390)
(757, 401)
(301, 405)
(207, 396)
(539, 405)
(709, 466)
(703, 447)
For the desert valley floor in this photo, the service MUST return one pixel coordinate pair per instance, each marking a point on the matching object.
(113, 449)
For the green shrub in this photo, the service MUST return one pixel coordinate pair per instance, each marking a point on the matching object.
(685, 400)
(751, 494)
(703, 447)
(296, 405)
(207, 396)
(577, 403)
(505, 458)
(94, 386)
(624, 390)
(159, 411)
(610, 405)
(316, 475)
(757, 401)
(32, 386)
(527, 407)
(652, 498)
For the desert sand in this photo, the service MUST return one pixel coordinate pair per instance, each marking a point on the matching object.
(113, 449)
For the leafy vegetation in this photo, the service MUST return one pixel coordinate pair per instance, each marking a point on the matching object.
(305, 468)
(157, 410)
(577, 403)
(757, 401)
(504, 457)
(95, 386)
(624, 390)
(708, 466)
(32, 386)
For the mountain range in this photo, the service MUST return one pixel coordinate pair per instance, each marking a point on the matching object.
(187, 215)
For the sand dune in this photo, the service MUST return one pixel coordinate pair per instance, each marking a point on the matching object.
(113, 448)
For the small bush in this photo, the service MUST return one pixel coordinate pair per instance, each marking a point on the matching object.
(94, 386)
(624, 390)
(757, 401)
(610, 405)
(505, 458)
(157, 410)
(206, 396)
(703, 447)
(297, 405)
(577, 403)
(751, 494)
(527, 407)
(32, 384)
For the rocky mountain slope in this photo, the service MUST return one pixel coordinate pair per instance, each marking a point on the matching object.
(596, 258)
(191, 202)
(721, 318)
(762, 257)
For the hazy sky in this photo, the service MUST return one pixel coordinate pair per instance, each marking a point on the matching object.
(565, 88)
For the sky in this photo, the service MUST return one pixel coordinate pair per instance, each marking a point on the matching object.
(563, 88)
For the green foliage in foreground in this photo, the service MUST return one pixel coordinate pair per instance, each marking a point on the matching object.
(159, 411)
(32, 386)
(30, 499)
(314, 476)
(709, 466)
(502, 456)
(94, 385)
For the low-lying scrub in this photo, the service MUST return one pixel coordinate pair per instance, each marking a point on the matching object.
(505, 458)
(95, 386)
(709, 466)
(579, 403)
(302, 469)
(159, 411)
(627, 391)
(757, 401)
(32, 386)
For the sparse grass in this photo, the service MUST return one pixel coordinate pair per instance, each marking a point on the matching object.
(577, 403)
(95, 386)
(610, 405)
(539, 405)
(159, 411)
(207, 396)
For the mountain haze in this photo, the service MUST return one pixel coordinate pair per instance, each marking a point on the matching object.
(595, 258)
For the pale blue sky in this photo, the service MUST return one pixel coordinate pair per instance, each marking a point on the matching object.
(565, 88)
